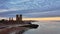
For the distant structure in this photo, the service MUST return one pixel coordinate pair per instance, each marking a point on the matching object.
(11, 19)
(17, 21)
(19, 18)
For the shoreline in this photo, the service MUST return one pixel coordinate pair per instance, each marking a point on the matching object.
(11, 30)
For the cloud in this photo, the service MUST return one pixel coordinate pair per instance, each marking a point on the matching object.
(30, 4)
(11, 9)
(30, 8)
(31, 13)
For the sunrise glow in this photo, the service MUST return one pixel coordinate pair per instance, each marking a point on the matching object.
(49, 18)
(39, 19)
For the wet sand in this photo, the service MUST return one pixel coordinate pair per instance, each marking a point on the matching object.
(10, 30)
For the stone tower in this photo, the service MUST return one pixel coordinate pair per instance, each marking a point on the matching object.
(19, 18)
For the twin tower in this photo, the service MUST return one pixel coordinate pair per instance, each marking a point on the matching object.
(19, 17)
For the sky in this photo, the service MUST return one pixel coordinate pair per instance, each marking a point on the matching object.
(30, 8)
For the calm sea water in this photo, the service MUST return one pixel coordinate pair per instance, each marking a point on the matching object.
(45, 28)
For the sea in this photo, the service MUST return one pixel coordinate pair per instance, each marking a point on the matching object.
(45, 28)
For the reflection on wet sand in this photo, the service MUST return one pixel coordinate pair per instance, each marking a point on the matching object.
(22, 31)
(13, 30)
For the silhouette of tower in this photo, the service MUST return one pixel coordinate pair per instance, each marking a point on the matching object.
(17, 17)
(20, 18)
(11, 19)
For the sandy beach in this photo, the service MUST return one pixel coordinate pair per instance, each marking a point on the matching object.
(10, 30)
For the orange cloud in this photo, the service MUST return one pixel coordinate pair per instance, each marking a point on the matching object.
(47, 18)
